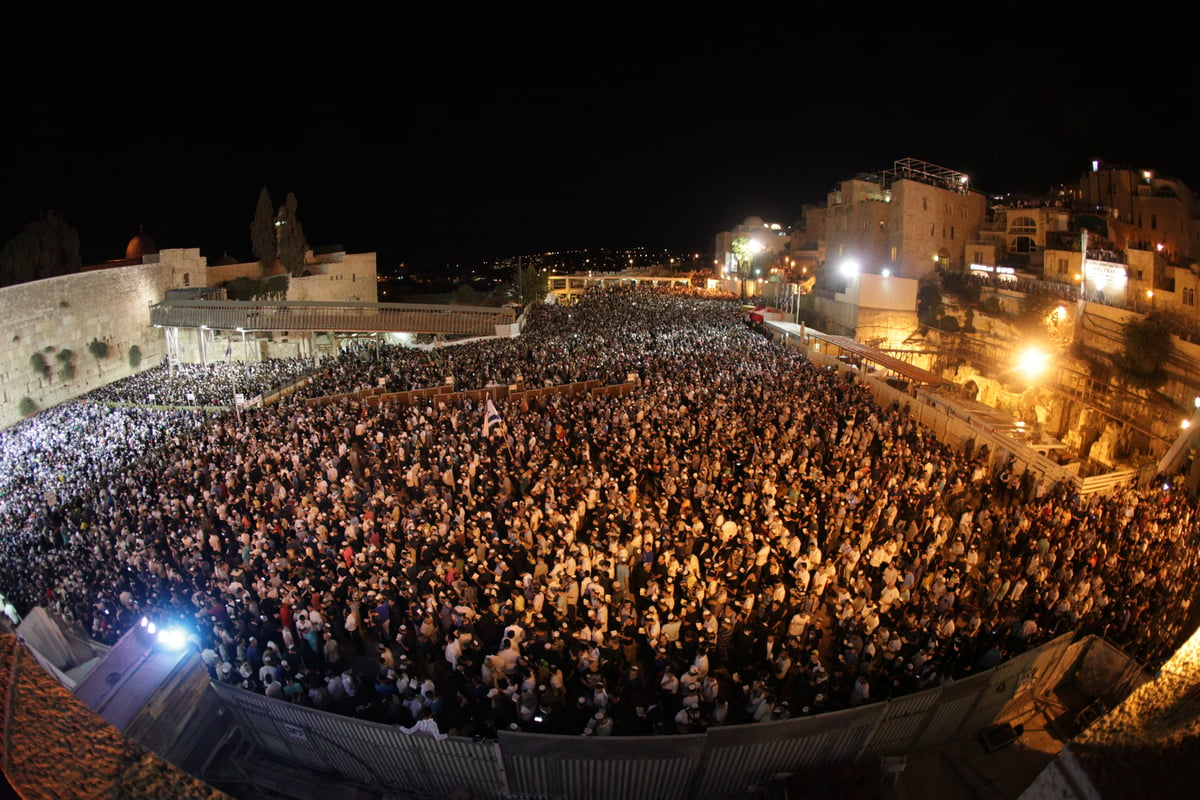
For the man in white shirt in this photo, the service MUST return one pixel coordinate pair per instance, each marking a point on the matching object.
(425, 724)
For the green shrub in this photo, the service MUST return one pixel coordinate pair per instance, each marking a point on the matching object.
(39, 364)
(990, 305)
(66, 357)
(98, 349)
(27, 407)
(135, 356)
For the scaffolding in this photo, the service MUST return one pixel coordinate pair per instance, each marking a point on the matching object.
(912, 169)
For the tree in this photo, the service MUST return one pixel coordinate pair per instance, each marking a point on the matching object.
(929, 304)
(274, 287)
(262, 231)
(744, 249)
(1148, 347)
(1036, 305)
(532, 285)
(44, 248)
(291, 242)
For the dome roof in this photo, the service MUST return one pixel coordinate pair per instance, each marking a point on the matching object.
(226, 260)
(140, 245)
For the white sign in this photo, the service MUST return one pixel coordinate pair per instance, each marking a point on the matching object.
(997, 270)
(1104, 272)
(239, 399)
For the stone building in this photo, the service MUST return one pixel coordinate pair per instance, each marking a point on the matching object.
(1150, 211)
(908, 220)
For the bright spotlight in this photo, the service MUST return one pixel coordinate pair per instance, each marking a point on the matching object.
(887, 273)
(849, 267)
(173, 638)
(1033, 362)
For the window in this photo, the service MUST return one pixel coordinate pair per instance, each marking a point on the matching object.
(931, 229)
(943, 231)
(1189, 297)
(924, 203)
(978, 259)
(1062, 266)
(893, 254)
(1022, 225)
(951, 231)
(1154, 222)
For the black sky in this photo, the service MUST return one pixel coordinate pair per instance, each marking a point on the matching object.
(454, 136)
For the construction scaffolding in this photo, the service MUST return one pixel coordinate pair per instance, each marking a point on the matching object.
(912, 169)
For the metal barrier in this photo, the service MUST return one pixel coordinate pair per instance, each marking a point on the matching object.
(346, 317)
(720, 764)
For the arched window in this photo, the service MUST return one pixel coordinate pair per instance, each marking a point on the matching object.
(1022, 225)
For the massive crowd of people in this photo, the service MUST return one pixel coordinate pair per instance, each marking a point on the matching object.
(204, 385)
(742, 537)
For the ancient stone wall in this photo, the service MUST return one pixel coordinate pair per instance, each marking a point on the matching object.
(53, 321)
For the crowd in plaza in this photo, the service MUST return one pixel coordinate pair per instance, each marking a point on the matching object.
(742, 537)
(197, 385)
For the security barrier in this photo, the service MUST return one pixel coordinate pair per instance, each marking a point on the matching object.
(720, 764)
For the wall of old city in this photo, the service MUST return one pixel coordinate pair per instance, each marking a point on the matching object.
(57, 315)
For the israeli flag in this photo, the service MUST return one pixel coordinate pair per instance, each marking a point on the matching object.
(491, 418)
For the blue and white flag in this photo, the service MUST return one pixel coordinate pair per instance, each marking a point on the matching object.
(491, 417)
(229, 351)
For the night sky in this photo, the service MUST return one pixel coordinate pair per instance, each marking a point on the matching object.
(448, 136)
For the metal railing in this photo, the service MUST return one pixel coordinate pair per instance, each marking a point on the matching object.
(718, 764)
